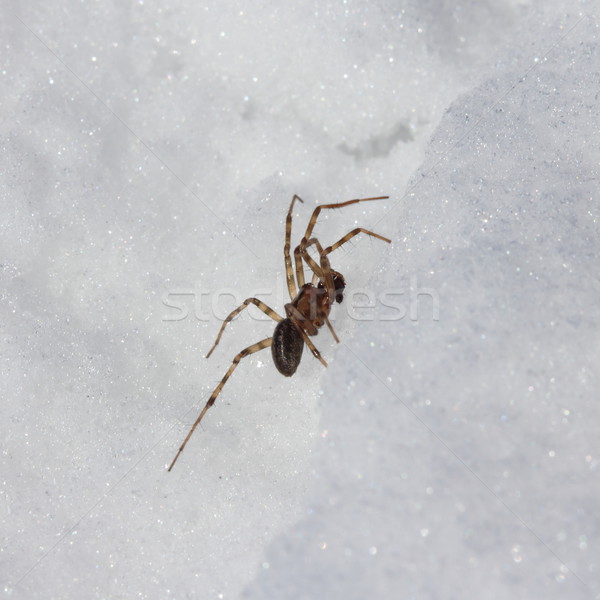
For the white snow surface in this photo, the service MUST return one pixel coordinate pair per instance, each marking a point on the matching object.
(150, 151)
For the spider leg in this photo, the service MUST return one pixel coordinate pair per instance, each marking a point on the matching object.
(326, 267)
(299, 267)
(289, 272)
(319, 208)
(333, 333)
(305, 242)
(349, 236)
(245, 352)
(295, 318)
(266, 309)
(312, 348)
(300, 252)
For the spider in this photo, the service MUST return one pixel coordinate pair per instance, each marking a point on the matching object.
(308, 310)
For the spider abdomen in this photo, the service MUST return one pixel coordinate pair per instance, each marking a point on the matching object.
(287, 347)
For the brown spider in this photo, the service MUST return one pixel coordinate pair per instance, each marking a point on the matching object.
(305, 314)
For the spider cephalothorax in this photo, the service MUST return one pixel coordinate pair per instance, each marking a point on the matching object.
(308, 310)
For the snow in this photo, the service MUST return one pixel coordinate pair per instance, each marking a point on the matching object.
(150, 152)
